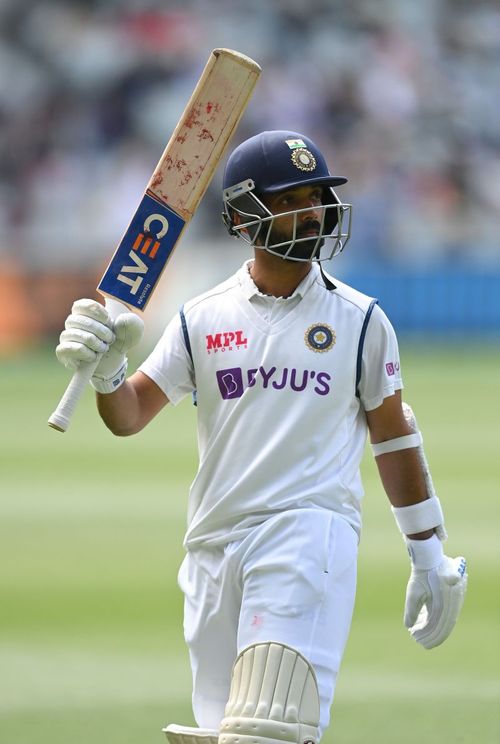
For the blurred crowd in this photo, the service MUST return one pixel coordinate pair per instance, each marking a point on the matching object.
(401, 95)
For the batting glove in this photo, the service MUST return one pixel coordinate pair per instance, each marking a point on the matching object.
(90, 332)
(435, 592)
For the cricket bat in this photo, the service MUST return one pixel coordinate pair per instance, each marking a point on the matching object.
(172, 195)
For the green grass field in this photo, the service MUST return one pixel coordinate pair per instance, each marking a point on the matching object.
(91, 647)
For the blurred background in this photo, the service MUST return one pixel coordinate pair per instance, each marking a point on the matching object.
(403, 99)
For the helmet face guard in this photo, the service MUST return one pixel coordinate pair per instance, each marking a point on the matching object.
(276, 161)
(258, 226)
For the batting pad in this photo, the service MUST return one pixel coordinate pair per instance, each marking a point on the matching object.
(273, 698)
(190, 735)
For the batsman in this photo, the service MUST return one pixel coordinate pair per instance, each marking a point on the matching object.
(291, 370)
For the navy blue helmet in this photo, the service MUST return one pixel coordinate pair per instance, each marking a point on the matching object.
(273, 162)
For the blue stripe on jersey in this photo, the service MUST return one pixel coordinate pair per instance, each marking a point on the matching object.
(361, 343)
(185, 332)
(187, 341)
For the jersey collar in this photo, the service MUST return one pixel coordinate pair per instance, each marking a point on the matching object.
(250, 289)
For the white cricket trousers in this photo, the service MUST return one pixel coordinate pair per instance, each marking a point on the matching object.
(291, 580)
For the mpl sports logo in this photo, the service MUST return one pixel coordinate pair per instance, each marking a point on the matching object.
(234, 381)
(143, 252)
(226, 341)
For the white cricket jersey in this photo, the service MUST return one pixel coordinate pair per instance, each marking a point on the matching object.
(281, 393)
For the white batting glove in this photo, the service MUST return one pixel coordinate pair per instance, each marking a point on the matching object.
(435, 592)
(90, 332)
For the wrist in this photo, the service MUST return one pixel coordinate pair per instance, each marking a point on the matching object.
(425, 554)
(419, 517)
(421, 535)
(111, 382)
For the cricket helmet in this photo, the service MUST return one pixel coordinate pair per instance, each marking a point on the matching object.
(275, 161)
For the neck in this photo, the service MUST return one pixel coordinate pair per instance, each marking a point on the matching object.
(275, 276)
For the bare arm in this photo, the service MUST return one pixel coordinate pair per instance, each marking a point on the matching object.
(127, 410)
(400, 472)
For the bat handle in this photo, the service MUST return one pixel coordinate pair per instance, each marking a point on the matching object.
(61, 417)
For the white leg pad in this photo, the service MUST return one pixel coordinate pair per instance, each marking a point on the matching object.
(190, 735)
(273, 698)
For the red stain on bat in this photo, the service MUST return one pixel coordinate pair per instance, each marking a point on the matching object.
(193, 118)
(181, 138)
(205, 134)
(156, 180)
(215, 107)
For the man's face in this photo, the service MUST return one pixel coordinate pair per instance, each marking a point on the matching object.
(308, 222)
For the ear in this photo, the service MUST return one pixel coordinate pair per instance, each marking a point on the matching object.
(236, 219)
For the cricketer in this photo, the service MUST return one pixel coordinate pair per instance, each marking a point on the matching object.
(291, 370)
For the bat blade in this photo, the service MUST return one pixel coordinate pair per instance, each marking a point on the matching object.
(172, 195)
(181, 177)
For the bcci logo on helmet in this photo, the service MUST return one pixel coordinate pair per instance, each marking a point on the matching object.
(304, 160)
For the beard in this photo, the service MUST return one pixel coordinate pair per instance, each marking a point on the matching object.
(305, 250)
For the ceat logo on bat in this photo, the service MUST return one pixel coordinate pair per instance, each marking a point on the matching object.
(143, 253)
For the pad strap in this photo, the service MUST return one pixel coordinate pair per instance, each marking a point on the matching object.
(399, 443)
(112, 383)
(425, 515)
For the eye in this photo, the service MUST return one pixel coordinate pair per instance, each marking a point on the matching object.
(286, 200)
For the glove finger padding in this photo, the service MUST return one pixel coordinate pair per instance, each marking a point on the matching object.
(110, 373)
(88, 332)
(92, 309)
(84, 338)
(73, 353)
(418, 595)
(128, 329)
(442, 601)
(90, 325)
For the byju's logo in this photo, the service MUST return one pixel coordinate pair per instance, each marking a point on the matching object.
(230, 383)
(233, 381)
(391, 368)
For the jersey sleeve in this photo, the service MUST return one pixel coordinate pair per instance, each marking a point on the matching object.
(381, 367)
(169, 365)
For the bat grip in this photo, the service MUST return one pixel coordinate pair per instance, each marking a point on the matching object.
(61, 417)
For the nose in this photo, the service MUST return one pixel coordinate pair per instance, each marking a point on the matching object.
(311, 210)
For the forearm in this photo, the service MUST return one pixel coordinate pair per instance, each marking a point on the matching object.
(395, 440)
(403, 481)
(437, 584)
(130, 407)
(120, 410)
